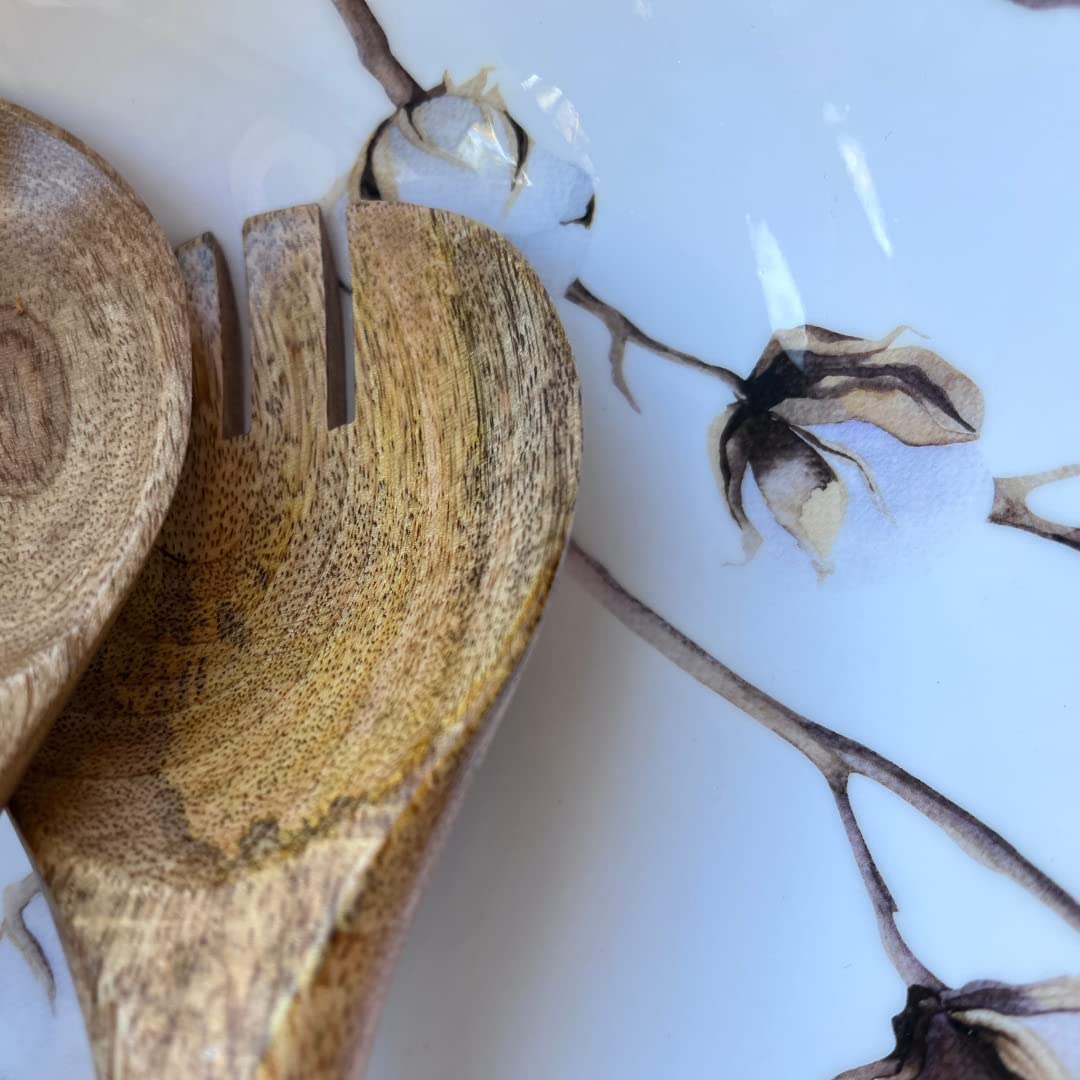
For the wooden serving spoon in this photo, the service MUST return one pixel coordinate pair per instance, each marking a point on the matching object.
(95, 386)
(235, 813)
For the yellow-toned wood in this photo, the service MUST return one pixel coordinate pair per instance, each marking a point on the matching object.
(235, 813)
(94, 401)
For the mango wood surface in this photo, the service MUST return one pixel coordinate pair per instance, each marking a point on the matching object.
(235, 813)
(95, 375)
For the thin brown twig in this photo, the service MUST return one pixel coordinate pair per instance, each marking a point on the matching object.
(835, 756)
(1011, 506)
(910, 968)
(17, 897)
(375, 54)
(622, 331)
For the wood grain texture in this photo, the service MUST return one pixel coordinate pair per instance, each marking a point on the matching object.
(94, 404)
(236, 812)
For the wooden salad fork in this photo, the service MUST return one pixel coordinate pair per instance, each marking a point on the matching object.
(95, 389)
(235, 813)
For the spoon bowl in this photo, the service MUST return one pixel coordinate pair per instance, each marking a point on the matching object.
(94, 401)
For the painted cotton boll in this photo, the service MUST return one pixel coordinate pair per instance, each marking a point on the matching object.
(797, 450)
(820, 416)
(461, 150)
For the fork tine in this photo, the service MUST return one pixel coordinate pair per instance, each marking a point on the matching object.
(295, 321)
(337, 382)
(217, 390)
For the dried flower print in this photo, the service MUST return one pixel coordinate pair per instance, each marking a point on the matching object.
(465, 126)
(983, 1031)
(809, 376)
(456, 146)
(812, 376)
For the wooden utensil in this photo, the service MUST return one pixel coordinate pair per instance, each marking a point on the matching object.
(235, 813)
(95, 384)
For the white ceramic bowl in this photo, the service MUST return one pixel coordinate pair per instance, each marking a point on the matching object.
(645, 883)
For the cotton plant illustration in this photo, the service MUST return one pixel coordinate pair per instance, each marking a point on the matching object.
(459, 144)
(807, 377)
(811, 376)
(457, 147)
(982, 1031)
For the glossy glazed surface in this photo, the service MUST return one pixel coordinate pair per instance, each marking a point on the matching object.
(662, 884)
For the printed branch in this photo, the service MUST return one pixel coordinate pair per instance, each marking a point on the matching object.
(907, 964)
(1011, 507)
(17, 896)
(375, 54)
(622, 330)
(836, 756)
